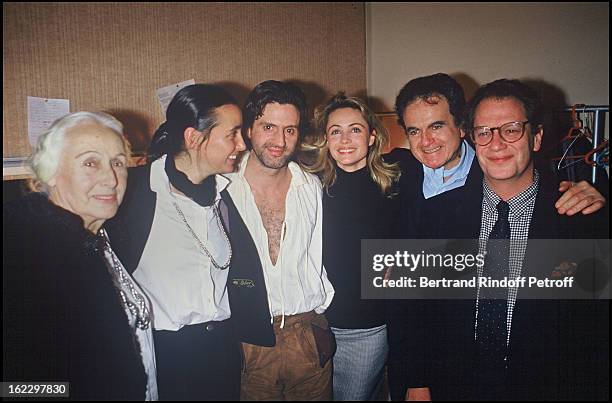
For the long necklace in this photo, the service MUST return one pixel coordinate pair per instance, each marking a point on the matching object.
(138, 308)
(201, 244)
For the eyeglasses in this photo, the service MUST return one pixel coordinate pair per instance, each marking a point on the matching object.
(509, 132)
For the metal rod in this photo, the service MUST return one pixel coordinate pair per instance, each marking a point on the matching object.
(598, 129)
(588, 108)
(600, 121)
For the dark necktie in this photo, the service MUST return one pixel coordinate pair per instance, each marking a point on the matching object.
(493, 306)
(490, 371)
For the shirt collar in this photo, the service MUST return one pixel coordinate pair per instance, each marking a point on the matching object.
(518, 204)
(298, 176)
(433, 179)
(222, 183)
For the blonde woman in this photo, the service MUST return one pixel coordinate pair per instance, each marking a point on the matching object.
(358, 203)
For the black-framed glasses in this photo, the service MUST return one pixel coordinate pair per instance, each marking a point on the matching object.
(509, 132)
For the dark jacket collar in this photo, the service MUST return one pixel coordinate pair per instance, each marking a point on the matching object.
(36, 209)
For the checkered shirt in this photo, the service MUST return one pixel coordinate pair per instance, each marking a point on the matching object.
(521, 211)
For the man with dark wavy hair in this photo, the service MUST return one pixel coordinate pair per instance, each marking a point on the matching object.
(431, 111)
(500, 345)
(287, 356)
(441, 169)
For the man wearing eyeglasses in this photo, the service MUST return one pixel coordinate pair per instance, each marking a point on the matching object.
(501, 347)
(440, 160)
(502, 120)
(505, 159)
(441, 167)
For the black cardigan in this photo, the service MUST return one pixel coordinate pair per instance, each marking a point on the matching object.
(62, 316)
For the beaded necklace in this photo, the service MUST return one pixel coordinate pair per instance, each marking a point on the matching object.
(135, 302)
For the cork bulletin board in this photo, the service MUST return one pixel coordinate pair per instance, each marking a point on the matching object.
(113, 56)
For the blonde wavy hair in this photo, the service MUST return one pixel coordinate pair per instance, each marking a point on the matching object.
(316, 158)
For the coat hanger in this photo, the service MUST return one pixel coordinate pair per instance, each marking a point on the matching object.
(603, 159)
(605, 151)
(576, 131)
(577, 158)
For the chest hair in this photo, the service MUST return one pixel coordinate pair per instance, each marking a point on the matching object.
(272, 210)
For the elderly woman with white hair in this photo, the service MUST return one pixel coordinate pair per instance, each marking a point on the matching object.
(71, 311)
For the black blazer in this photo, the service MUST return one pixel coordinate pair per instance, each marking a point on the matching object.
(129, 232)
(411, 199)
(558, 349)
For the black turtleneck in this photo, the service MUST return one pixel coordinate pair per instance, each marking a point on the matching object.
(354, 209)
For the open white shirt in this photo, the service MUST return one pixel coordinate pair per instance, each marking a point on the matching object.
(298, 282)
(183, 285)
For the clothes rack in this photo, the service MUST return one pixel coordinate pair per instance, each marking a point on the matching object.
(599, 123)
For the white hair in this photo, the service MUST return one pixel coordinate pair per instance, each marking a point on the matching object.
(45, 159)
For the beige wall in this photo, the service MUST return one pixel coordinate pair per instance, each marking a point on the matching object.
(565, 45)
(113, 56)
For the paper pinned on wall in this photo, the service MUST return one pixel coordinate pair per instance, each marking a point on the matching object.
(42, 112)
(165, 94)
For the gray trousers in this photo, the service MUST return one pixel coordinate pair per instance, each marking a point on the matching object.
(359, 362)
